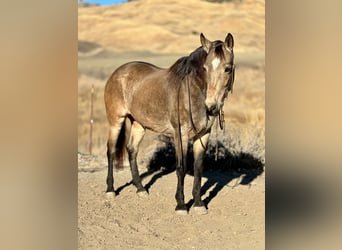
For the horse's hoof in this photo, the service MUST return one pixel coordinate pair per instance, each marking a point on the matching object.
(200, 210)
(110, 195)
(142, 194)
(181, 212)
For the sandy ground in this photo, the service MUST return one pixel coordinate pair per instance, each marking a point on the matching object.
(235, 218)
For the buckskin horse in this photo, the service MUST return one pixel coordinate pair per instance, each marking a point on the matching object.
(180, 102)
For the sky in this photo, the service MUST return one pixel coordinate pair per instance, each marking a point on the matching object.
(106, 2)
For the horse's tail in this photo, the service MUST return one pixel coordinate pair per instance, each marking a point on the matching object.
(121, 157)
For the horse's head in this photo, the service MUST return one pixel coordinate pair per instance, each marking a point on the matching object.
(219, 72)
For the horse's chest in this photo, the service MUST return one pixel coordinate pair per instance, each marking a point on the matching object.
(199, 125)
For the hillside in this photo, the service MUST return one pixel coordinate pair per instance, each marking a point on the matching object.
(173, 26)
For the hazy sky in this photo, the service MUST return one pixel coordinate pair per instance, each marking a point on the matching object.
(105, 2)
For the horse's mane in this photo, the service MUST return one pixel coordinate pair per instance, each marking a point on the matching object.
(193, 63)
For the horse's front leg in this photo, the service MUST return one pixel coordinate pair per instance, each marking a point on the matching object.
(199, 150)
(181, 147)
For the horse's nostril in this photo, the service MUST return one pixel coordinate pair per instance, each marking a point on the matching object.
(213, 110)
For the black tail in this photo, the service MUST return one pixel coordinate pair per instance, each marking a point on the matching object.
(120, 147)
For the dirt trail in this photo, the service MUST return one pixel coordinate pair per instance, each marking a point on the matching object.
(235, 219)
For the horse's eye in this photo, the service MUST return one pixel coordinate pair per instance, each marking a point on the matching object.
(228, 70)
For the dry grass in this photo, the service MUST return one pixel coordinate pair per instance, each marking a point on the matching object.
(173, 26)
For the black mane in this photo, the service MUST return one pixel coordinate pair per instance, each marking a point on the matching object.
(192, 64)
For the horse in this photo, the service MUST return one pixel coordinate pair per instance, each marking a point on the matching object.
(180, 102)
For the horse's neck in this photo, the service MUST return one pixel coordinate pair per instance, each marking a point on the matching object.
(194, 98)
(197, 88)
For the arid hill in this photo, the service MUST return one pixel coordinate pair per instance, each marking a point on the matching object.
(173, 26)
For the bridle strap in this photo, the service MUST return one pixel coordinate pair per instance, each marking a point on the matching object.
(221, 118)
(179, 126)
(190, 114)
(231, 80)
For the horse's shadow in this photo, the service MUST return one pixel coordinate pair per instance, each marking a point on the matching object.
(221, 167)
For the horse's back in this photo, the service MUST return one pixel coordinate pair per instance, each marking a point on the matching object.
(130, 73)
(135, 76)
(142, 89)
(134, 70)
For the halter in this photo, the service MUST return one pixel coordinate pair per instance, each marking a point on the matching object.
(229, 88)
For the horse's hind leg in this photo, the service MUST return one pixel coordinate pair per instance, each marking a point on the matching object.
(114, 132)
(137, 134)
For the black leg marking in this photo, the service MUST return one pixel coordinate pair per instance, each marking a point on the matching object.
(136, 136)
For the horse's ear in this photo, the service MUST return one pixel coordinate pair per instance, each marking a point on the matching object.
(229, 42)
(205, 43)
